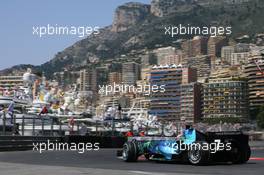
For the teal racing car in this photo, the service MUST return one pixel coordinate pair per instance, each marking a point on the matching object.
(194, 147)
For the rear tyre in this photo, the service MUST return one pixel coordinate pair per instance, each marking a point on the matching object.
(248, 153)
(130, 152)
(242, 153)
(197, 156)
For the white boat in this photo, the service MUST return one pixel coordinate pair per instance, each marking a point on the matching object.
(36, 107)
(5, 101)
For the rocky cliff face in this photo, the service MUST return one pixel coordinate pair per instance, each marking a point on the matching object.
(128, 15)
(162, 8)
(138, 26)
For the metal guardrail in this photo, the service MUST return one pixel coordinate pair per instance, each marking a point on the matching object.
(21, 143)
(38, 124)
(45, 125)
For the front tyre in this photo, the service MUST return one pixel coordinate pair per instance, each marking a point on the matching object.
(130, 152)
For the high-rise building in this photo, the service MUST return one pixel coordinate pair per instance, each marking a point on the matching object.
(226, 98)
(191, 102)
(66, 77)
(145, 73)
(115, 77)
(199, 45)
(203, 65)
(168, 55)
(188, 75)
(9, 84)
(215, 45)
(171, 59)
(226, 72)
(146, 59)
(88, 80)
(254, 71)
(242, 47)
(226, 53)
(235, 55)
(196, 46)
(187, 48)
(149, 58)
(130, 73)
(88, 87)
(239, 58)
(166, 104)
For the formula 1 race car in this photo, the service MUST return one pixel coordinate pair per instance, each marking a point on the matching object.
(195, 148)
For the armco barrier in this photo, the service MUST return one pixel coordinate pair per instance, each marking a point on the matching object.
(105, 142)
(18, 143)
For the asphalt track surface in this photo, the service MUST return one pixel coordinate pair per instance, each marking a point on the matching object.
(105, 162)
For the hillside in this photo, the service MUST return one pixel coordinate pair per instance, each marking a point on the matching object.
(138, 26)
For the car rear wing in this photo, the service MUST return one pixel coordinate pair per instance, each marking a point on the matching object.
(228, 135)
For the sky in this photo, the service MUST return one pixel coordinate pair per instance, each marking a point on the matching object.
(18, 45)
